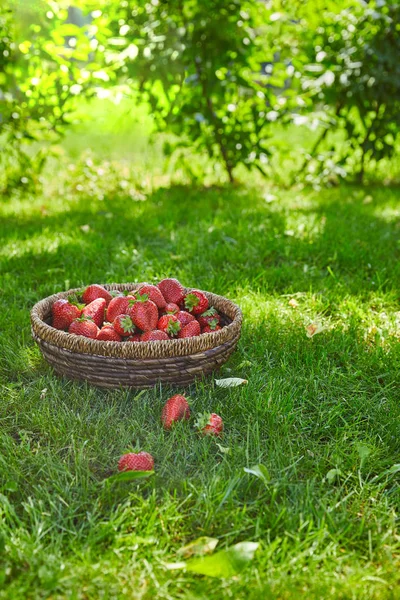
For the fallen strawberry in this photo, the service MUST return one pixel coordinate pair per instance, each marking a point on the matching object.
(172, 290)
(84, 326)
(209, 316)
(190, 330)
(171, 308)
(141, 461)
(175, 409)
(144, 314)
(95, 311)
(152, 336)
(169, 324)
(118, 306)
(123, 325)
(154, 294)
(196, 302)
(108, 334)
(64, 312)
(94, 291)
(210, 424)
(184, 317)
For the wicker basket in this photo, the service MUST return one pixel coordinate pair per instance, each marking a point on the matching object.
(140, 365)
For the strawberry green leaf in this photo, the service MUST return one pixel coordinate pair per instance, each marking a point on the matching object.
(209, 313)
(191, 300)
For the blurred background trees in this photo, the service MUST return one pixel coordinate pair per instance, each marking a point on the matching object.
(238, 84)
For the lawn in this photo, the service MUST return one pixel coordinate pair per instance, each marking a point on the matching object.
(322, 414)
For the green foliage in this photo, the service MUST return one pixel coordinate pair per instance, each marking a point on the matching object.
(198, 65)
(350, 70)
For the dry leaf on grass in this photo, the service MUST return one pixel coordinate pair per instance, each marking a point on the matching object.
(313, 329)
(230, 382)
(293, 303)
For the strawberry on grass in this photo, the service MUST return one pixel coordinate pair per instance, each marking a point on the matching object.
(210, 424)
(136, 461)
(175, 409)
(85, 327)
(169, 324)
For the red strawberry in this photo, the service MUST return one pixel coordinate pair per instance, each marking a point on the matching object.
(64, 312)
(95, 291)
(175, 409)
(152, 336)
(118, 306)
(210, 424)
(123, 325)
(154, 294)
(171, 308)
(144, 314)
(172, 290)
(196, 302)
(208, 317)
(190, 330)
(210, 328)
(108, 334)
(142, 461)
(84, 326)
(95, 311)
(134, 338)
(184, 317)
(169, 324)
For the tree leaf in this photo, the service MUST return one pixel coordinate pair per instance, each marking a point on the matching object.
(200, 546)
(230, 382)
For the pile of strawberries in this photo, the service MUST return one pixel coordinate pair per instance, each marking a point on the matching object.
(153, 312)
(176, 409)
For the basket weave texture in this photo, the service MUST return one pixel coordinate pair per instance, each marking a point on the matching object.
(137, 365)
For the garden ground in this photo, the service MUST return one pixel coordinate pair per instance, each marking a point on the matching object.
(321, 413)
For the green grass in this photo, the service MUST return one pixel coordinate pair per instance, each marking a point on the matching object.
(311, 405)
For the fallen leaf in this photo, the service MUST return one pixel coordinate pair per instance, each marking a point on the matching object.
(203, 545)
(43, 393)
(85, 228)
(223, 449)
(259, 471)
(313, 329)
(293, 303)
(230, 382)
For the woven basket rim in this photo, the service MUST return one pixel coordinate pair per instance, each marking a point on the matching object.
(143, 350)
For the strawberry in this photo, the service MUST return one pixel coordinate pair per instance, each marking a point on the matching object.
(172, 290)
(108, 334)
(84, 326)
(142, 461)
(169, 324)
(171, 308)
(210, 424)
(64, 312)
(123, 325)
(144, 314)
(184, 317)
(95, 311)
(152, 336)
(118, 306)
(196, 302)
(211, 327)
(175, 409)
(134, 338)
(154, 294)
(208, 317)
(190, 330)
(94, 291)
